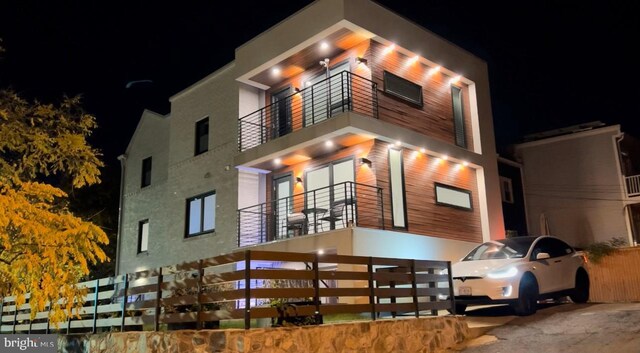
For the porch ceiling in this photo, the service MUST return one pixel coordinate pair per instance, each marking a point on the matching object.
(308, 57)
(311, 149)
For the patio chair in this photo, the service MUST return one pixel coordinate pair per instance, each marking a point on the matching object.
(296, 221)
(334, 214)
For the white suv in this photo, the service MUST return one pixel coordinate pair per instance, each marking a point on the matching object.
(519, 271)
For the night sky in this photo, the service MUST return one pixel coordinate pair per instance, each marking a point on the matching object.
(550, 66)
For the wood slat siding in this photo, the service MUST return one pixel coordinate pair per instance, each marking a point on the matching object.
(616, 278)
(435, 117)
(421, 172)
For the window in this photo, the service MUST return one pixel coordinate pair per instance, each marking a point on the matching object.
(201, 214)
(506, 190)
(396, 181)
(553, 247)
(202, 136)
(454, 197)
(458, 117)
(143, 236)
(401, 88)
(146, 172)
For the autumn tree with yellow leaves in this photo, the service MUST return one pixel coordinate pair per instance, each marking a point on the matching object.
(44, 249)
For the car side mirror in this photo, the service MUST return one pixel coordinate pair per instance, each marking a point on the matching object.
(543, 256)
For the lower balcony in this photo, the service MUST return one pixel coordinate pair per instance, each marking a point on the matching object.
(334, 207)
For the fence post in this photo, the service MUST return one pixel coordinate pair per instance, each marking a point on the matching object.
(156, 317)
(238, 227)
(95, 306)
(30, 321)
(200, 274)
(1, 311)
(414, 286)
(316, 288)
(432, 298)
(48, 316)
(452, 298)
(124, 301)
(15, 315)
(247, 289)
(371, 288)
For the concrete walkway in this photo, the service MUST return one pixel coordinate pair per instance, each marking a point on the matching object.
(567, 328)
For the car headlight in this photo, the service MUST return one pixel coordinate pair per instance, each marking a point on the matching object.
(508, 273)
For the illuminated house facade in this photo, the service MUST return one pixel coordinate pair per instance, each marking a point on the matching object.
(345, 128)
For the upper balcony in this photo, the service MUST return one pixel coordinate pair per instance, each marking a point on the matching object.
(633, 185)
(316, 103)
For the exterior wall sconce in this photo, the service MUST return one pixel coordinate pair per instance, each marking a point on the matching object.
(361, 60)
(366, 161)
(299, 180)
(297, 89)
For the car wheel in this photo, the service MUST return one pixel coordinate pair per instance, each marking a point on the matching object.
(527, 303)
(580, 294)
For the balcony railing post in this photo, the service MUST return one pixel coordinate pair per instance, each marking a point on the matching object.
(238, 226)
(342, 88)
(313, 115)
(262, 124)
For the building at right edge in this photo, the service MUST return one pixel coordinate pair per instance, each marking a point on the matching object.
(582, 183)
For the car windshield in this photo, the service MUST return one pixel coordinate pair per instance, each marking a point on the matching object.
(512, 248)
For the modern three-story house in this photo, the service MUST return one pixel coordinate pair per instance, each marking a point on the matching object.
(344, 128)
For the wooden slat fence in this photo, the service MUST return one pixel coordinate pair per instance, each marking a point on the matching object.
(616, 278)
(246, 286)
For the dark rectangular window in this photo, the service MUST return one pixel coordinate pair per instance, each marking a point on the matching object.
(201, 214)
(202, 136)
(452, 196)
(401, 88)
(143, 236)
(396, 182)
(146, 172)
(458, 116)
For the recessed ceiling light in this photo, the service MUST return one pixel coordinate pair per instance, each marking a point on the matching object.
(328, 143)
(275, 71)
(414, 60)
(465, 163)
(389, 49)
(445, 157)
(320, 252)
(432, 71)
(398, 143)
(324, 45)
(455, 79)
(277, 161)
(423, 150)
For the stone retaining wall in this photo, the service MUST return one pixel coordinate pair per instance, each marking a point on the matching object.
(419, 335)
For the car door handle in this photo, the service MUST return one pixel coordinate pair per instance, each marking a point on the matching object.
(558, 261)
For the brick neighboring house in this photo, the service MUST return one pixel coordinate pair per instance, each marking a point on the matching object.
(584, 181)
(345, 128)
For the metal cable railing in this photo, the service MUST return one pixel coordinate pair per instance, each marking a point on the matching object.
(339, 93)
(333, 207)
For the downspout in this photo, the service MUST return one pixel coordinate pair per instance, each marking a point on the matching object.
(626, 209)
(123, 159)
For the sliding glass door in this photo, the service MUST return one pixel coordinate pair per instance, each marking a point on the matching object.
(329, 200)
